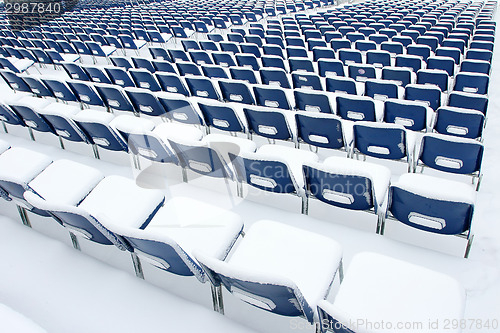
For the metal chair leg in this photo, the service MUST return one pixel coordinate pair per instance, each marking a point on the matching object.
(24, 216)
(137, 265)
(74, 241)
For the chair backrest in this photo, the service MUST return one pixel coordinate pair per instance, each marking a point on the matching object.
(356, 108)
(402, 75)
(381, 89)
(341, 84)
(114, 97)
(265, 173)
(37, 87)
(170, 82)
(320, 130)
(224, 59)
(96, 74)
(361, 72)
(431, 95)
(410, 114)
(451, 154)
(202, 87)
(437, 77)
(274, 97)
(79, 222)
(274, 294)
(475, 66)
(268, 123)
(306, 81)
(472, 83)
(221, 116)
(468, 101)
(179, 108)
(233, 91)
(243, 74)
(444, 63)
(379, 140)
(409, 61)
(119, 77)
(275, 77)
(340, 185)
(430, 211)
(201, 158)
(143, 63)
(459, 122)
(144, 79)
(273, 61)
(96, 126)
(145, 102)
(330, 68)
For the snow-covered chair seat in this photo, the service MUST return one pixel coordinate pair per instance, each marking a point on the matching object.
(377, 288)
(16, 65)
(13, 321)
(115, 200)
(3, 146)
(433, 204)
(275, 169)
(181, 226)
(18, 166)
(349, 184)
(278, 268)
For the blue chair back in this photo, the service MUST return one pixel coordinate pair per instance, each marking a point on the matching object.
(179, 109)
(312, 101)
(145, 102)
(412, 115)
(387, 141)
(320, 131)
(339, 189)
(424, 93)
(447, 217)
(468, 101)
(236, 92)
(221, 117)
(271, 97)
(459, 122)
(114, 98)
(201, 159)
(341, 84)
(356, 108)
(270, 124)
(144, 79)
(462, 156)
(202, 87)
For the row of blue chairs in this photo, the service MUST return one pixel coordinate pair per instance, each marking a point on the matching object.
(269, 278)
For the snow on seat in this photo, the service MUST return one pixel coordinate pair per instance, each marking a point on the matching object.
(177, 131)
(181, 226)
(380, 289)
(3, 146)
(65, 182)
(132, 124)
(69, 57)
(13, 321)
(226, 144)
(294, 158)
(278, 268)
(18, 166)
(34, 103)
(119, 201)
(436, 188)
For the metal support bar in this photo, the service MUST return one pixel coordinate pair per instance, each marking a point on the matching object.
(469, 245)
(184, 175)
(74, 241)
(137, 265)
(24, 216)
(305, 204)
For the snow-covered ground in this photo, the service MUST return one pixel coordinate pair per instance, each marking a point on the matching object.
(62, 290)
